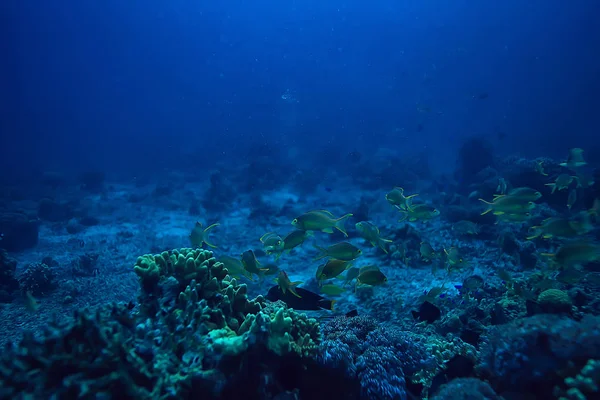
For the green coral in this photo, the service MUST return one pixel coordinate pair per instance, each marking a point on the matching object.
(585, 383)
(554, 301)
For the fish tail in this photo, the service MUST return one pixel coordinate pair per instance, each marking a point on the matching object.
(339, 224)
(206, 233)
(332, 304)
(381, 244)
(321, 250)
(537, 233)
(553, 186)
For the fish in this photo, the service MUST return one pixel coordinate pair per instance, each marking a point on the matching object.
(502, 186)
(465, 227)
(333, 268)
(31, 303)
(251, 264)
(307, 301)
(270, 269)
(584, 180)
(321, 220)
(562, 227)
(286, 285)
(577, 252)
(572, 198)
(371, 276)
(525, 193)
(200, 236)
(272, 242)
(418, 212)
(370, 233)
(235, 267)
(433, 293)
(332, 290)
(514, 217)
(575, 159)
(397, 198)
(427, 252)
(294, 239)
(562, 182)
(539, 168)
(351, 274)
(428, 312)
(454, 259)
(504, 204)
(343, 251)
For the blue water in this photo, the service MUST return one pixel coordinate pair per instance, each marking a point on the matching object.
(123, 124)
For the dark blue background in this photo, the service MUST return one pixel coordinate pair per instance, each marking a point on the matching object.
(129, 86)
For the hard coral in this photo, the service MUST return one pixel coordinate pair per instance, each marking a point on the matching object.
(529, 355)
(38, 279)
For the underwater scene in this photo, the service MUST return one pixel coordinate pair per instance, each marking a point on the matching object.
(302, 200)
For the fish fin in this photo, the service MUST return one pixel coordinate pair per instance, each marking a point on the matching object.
(404, 218)
(412, 219)
(296, 283)
(339, 224)
(322, 250)
(263, 236)
(205, 234)
(293, 291)
(327, 230)
(411, 196)
(332, 304)
(326, 212)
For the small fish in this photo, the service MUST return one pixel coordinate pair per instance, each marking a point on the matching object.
(503, 204)
(427, 252)
(504, 275)
(371, 276)
(454, 258)
(234, 267)
(332, 290)
(572, 198)
(271, 269)
(307, 301)
(562, 227)
(342, 251)
(351, 274)
(333, 268)
(585, 180)
(570, 276)
(285, 284)
(433, 293)
(418, 212)
(30, 302)
(514, 217)
(295, 239)
(502, 186)
(200, 236)
(321, 220)
(525, 193)
(272, 242)
(578, 252)
(397, 198)
(473, 283)
(539, 168)
(251, 264)
(465, 227)
(575, 159)
(562, 182)
(370, 233)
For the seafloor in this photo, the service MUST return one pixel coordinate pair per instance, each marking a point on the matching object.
(488, 314)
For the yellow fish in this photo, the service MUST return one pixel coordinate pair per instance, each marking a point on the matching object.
(562, 182)
(321, 220)
(341, 251)
(371, 276)
(575, 159)
(200, 236)
(370, 233)
(397, 198)
(419, 212)
(251, 264)
(332, 268)
(285, 284)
